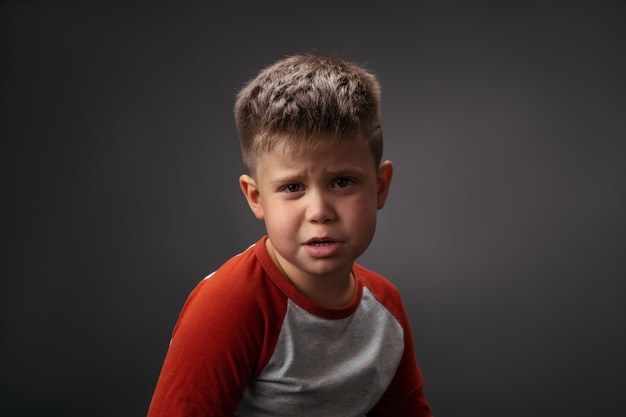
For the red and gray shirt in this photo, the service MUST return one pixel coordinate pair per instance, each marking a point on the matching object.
(247, 343)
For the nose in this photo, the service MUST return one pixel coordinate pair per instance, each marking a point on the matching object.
(320, 208)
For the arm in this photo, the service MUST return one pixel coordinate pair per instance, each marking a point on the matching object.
(405, 394)
(212, 356)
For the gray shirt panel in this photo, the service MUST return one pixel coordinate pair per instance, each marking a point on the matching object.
(327, 367)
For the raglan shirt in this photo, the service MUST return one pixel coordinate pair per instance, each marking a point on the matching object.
(248, 343)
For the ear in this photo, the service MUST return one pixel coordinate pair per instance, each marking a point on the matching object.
(251, 192)
(383, 182)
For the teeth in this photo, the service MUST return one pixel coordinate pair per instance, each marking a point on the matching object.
(319, 243)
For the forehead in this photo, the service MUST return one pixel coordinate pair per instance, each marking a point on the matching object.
(326, 157)
(315, 145)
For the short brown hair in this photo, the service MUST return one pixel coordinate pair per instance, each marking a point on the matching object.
(305, 97)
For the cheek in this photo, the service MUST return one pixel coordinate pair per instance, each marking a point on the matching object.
(279, 217)
(278, 211)
(365, 206)
(362, 214)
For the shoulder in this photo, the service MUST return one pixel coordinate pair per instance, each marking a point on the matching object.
(234, 277)
(381, 287)
(237, 290)
(383, 290)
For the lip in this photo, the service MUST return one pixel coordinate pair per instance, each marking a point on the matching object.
(324, 239)
(322, 247)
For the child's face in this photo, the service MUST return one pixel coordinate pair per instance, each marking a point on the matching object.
(319, 205)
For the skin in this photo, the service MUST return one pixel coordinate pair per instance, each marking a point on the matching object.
(319, 207)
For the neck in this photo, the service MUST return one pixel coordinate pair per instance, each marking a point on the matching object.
(333, 290)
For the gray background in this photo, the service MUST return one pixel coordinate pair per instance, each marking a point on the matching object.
(504, 230)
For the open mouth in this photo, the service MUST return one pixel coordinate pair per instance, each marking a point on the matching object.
(322, 247)
(320, 243)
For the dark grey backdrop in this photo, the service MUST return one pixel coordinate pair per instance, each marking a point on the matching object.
(504, 229)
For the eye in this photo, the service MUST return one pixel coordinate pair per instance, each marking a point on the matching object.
(292, 188)
(342, 182)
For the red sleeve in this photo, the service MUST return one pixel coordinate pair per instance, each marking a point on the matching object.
(405, 395)
(222, 338)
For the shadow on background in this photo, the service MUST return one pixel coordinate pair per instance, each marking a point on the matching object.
(504, 229)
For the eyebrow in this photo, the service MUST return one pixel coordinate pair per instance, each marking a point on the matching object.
(353, 170)
(341, 172)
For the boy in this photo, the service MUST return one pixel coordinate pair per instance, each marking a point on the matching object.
(293, 326)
